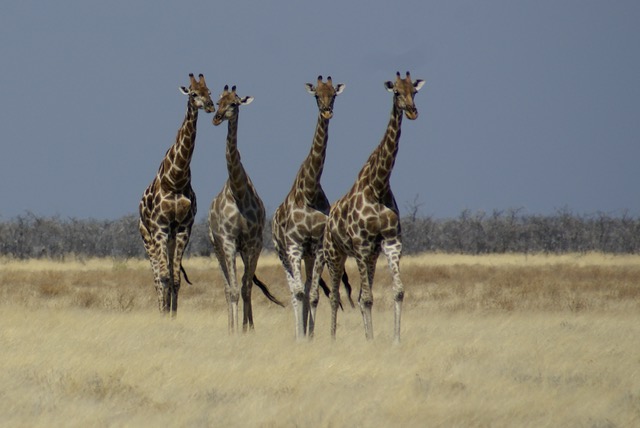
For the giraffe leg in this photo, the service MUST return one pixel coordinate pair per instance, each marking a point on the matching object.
(250, 263)
(181, 241)
(165, 279)
(306, 310)
(155, 267)
(225, 253)
(366, 296)
(318, 265)
(170, 289)
(156, 283)
(335, 266)
(288, 255)
(232, 292)
(297, 307)
(393, 249)
(291, 260)
(153, 254)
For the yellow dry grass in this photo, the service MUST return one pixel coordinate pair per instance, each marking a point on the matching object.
(508, 340)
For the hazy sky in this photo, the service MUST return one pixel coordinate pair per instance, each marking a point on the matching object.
(527, 104)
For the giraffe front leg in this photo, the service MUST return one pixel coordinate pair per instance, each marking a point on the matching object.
(231, 291)
(170, 288)
(165, 281)
(182, 239)
(393, 250)
(306, 309)
(294, 260)
(157, 284)
(318, 265)
(366, 269)
(225, 253)
(164, 293)
(335, 266)
(153, 252)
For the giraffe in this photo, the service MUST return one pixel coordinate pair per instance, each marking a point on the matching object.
(168, 205)
(236, 219)
(366, 220)
(298, 223)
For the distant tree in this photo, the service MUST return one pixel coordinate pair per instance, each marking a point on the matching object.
(199, 243)
(31, 236)
(413, 208)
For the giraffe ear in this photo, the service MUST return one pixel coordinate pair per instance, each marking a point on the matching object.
(339, 88)
(389, 85)
(418, 84)
(246, 100)
(183, 90)
(310, 88)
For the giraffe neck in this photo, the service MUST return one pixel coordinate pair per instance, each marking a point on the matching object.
(176, 165)
(238, 179)
(307, 181)
(377, 172)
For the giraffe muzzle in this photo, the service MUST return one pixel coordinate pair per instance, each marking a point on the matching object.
(327, 114)
(411, 113)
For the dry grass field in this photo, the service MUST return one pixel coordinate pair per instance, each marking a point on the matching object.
(488, 341)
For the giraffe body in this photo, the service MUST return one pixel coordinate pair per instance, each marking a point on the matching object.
(236, 219)
(366, 220)
(168, 205)
(298, 223)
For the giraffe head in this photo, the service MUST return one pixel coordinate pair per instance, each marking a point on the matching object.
(228, 105)
(404, 90)
(199, 94)
(325, 94)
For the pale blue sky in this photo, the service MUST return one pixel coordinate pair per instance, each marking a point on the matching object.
(532, 104)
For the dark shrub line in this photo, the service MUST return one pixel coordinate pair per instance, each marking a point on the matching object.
(510, 231)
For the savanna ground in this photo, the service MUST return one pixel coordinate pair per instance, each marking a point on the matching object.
(507, 340)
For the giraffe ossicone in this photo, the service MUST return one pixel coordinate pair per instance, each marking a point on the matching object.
(366, 220)
(168, 206)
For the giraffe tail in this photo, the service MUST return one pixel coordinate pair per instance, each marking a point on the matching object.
(327, 292)
(347, 286)
(184, 273)
(265, 290)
